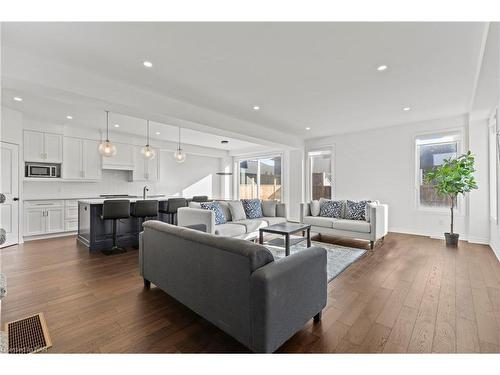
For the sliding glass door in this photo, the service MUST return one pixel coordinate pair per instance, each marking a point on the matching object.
(260, 178)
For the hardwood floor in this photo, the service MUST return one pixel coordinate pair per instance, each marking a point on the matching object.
(411, 294)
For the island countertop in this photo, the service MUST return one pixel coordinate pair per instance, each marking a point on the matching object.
(131, 199)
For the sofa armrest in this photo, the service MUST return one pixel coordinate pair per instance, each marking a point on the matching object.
(379, 221)
(281, 210)
(187, 216)
(305, 210)
(284, 295)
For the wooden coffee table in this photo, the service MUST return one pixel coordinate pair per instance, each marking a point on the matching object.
(286, 229)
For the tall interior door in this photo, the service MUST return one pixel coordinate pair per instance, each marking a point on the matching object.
(9, 187)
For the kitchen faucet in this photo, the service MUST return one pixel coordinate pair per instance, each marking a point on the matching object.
(144, 190)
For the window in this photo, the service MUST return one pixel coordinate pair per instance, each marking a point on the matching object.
(431, 152)
(260, 178)
(320, 174)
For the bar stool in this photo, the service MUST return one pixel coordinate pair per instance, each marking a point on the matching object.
(115, 210)
(142, 209)
(173, 204)
(200, 198)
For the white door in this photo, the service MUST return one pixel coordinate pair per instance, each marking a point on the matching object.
(54, 220)
(72, 165)
(91, 160)
(9, 187)
(34, 221)
(53, 148)
(34, 146)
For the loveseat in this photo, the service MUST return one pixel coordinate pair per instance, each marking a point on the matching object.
(241, 227)
(371, 226)
(235, 284)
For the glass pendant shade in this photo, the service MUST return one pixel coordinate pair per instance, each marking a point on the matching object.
(148, 152)
(179, 155)
(106, 148)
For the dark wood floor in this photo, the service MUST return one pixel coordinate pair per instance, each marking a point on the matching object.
(411, 294)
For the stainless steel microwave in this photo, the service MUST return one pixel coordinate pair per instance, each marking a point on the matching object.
(43, 170)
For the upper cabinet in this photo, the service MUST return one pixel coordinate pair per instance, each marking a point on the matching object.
(124, 158)
(82, 160)
(42, 147)
(145, 169)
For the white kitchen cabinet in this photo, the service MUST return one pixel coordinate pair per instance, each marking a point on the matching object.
(42, 147)
(34, 221)
(145, 169)
(82, 160)
(54, 220)
(123, 160)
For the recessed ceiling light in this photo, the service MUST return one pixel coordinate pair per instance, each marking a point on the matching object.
(308, 128)
(116, 125)
(157, 133)
(406, 109)
(69, 117)
(18, 99)
(256, 107)
(381, 68)
(147, 64)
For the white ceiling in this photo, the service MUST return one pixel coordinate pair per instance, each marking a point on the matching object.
(318, 75)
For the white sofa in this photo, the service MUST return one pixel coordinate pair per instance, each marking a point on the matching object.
(372, 229)
(244, 229)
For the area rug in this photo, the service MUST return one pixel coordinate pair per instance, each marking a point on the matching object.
(338, 257)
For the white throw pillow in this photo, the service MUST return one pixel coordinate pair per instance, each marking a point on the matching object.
(368, 209)
(237, 210)
(315, 208)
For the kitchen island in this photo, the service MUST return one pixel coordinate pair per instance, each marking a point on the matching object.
(97, 234)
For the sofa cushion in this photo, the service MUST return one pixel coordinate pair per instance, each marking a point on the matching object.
(329, 208)
(253, 208)
(274, 220)
(269, 208)
(315, 208)
(237, 211)
(220, 218)
(230, 230)
(194, 205)
(252, 224)
(359, 226)
(325, 222)
(225, 208)
(356, 210)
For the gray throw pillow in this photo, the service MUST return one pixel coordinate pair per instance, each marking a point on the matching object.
(224, 205)
(315, 208)
(237, 211)
(269, 208)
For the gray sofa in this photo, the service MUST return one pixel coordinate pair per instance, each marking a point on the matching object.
(374, 227)
(244, 229)
(235, 284)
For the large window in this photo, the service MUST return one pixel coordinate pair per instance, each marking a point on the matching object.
(431, 152)
(260, 178)
(320, 174)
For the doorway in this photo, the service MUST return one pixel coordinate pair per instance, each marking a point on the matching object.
(9, 193)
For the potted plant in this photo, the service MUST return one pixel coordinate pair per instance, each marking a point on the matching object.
(453, 177)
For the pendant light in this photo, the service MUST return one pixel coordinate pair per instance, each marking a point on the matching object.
(106, 148)
(148, 151)
(179, 154)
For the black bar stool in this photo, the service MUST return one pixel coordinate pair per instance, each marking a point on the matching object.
(173, 204)
(200, 198)
(115, 210)
(142, 209)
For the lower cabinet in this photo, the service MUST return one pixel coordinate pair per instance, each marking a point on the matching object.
(50, 216)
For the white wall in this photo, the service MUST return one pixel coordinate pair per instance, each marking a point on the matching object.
(380, 164)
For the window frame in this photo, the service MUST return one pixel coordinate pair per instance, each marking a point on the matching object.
(236, 167)
(308, 170)
(460, 207)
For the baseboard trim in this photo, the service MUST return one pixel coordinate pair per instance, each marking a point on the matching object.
(48, 236)
(496, 251)
(479, 240)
